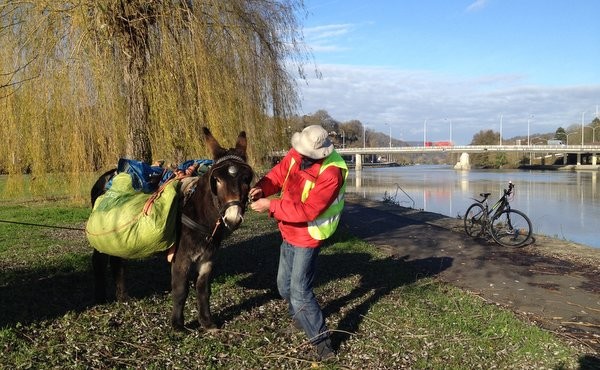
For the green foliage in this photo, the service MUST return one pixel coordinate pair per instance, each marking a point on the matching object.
(383, 312)
(354, 131)
(74, 187)
(484, 137)
(560, 134)
(501, 160)
(82, 85)
(491, 160)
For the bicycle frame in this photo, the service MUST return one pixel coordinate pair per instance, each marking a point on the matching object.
(500, 205)
(508, 227)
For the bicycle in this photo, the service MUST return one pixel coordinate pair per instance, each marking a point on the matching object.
(508, 227)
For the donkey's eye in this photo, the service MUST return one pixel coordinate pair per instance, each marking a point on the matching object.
(246, 179)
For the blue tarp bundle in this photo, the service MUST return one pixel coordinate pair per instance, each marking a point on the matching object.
(148, 179)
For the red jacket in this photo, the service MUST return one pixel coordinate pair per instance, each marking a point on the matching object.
(293, 215)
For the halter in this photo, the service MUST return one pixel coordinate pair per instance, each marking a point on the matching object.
(215, 167)
(187, 221)
(234, 157)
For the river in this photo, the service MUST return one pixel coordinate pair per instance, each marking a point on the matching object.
(560, 204)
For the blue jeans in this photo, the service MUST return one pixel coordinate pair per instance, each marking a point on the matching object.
(295, 284)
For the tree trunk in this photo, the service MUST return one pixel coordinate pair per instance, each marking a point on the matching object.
(138, 138)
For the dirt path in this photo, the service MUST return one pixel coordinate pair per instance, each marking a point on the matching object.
(553, 282)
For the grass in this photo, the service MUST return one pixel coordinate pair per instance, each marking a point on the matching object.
(384, 313)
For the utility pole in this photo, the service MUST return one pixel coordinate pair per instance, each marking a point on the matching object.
(582, 118)
(390, 126)
(500, 129)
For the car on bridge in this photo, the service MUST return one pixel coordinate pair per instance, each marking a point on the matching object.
(438, 143)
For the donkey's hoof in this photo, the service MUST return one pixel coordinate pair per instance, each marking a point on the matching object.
(178, 326)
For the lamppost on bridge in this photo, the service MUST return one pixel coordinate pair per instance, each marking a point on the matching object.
(528, 120)
(390, 126)
(450, 129)
(500, 129)
(572, 133)
(425, 133)
(582, 118)
(343, 138)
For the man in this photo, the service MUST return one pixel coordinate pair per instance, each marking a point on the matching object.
(311, 179)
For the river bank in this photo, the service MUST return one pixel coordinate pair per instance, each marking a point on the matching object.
(580, 254)
(564, 167)
(551, 282)
(548, 246)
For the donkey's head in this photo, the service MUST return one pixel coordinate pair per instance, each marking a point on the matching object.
(230, 178)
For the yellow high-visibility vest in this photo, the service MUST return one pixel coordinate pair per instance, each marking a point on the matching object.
(326, 223)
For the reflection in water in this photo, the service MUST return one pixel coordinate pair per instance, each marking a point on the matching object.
(561, 204)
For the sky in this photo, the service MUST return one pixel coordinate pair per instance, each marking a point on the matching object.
(437, 70)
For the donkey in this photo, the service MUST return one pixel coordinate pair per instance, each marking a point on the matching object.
(213, 208)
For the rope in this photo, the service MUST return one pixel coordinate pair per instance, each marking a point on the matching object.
(42, 225)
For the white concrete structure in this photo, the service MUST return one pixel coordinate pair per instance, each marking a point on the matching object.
(463, 163)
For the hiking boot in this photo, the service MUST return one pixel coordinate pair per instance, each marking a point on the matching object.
(324, 350)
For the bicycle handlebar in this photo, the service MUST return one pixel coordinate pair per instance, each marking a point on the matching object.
(508, 191)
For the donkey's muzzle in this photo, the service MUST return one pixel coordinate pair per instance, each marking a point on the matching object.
(233, 216)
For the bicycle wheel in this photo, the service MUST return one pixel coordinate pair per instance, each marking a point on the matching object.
(511, 228)
(474, 220)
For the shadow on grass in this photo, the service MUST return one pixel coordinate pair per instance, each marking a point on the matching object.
(589, 362)
(259, 257)
(41, 294)
(30, 294)
(378, 278)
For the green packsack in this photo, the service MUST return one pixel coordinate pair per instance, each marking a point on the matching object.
(130, 224)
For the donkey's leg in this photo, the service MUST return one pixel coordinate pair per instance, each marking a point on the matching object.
(117, 265)
(99, 265)
(203, 295)
(179, 289)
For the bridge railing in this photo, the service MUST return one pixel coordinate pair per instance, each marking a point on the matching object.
(475, 149)
(557, 149)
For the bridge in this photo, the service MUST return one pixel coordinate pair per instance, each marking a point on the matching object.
(557, 150)
(474, 149)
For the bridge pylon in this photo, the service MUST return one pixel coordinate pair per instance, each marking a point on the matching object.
(463, 163)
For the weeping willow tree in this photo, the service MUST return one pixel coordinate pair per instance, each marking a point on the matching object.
(83, 83)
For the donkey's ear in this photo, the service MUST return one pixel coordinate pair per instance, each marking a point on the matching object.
(211, 142)
(241, 143)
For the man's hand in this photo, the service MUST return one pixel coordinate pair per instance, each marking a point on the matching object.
(261, 205)
(255, 194)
